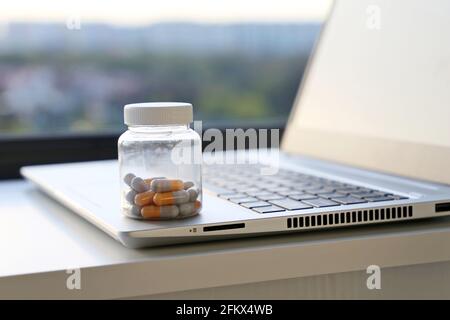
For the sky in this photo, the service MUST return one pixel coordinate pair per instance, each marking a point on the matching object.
(138, 12)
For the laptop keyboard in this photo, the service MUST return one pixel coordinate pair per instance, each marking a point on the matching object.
(287, 190)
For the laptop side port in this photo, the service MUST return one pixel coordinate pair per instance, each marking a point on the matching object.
(442, 207)
(224, 227)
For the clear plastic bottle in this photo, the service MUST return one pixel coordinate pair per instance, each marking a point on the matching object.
(160, 160)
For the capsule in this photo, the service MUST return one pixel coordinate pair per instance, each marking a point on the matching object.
(144, 198)
(128, 178)
(129, 196)
(149, 180)
(166, 185)
(187, 185)
(168, 198)
(133, 211)
(190, 208)
(155, 212)
(193, 194)
(139, 185)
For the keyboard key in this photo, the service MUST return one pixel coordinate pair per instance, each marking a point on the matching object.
(230, 196)
(396, 197)
(334, 184)
(268, 186)
(240, 187)
(366, 189)
(272, 196)
(362, 194)
(296, 184)
(269, 209)
(243, 200)
(302, 196)
(332, 195)
(290, 204)
(347, 189)
(277, 180)
(381, 193)
(287, 192)
(282, 189)
(322, 191)
(249, 190)
(256, 204)
(259, 193)
(349, 200)
(320, 202)
(377, 199)
(311, 187)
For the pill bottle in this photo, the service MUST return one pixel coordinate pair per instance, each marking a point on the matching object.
(160, 160)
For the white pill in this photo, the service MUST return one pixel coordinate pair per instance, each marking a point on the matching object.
(129, 196)
(133, 212)
(128, 178)
(139, 185)
(188, 184)
(187, 209)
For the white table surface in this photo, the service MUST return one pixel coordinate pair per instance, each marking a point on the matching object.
(40, 240)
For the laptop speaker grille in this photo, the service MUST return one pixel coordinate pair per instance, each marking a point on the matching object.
(349, 217)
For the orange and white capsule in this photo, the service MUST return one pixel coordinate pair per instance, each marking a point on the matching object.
(189, 209)
(166, 185)
(156, 212)
(144, 198)
(169, 198)
(149, 180)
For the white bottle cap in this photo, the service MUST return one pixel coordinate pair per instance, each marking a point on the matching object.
(158, 113)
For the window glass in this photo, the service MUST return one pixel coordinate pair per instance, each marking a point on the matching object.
(70, 66)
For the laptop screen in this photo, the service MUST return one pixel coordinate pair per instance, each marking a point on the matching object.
(377, 91)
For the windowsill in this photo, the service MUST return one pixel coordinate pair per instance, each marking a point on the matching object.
(42, 239)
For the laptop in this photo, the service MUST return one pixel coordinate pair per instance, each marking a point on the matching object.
(367, 142)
